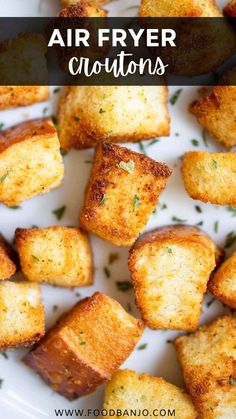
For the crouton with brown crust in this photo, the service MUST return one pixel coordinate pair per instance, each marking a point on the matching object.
(129, 391)
(208, 360)
(14, 96)
(83, 8)
(217, 113)
(56, 255)
(30, 161)
(122, 193)
(230, 9)
(179, 8)
(21, 314)
(67, 3)
(210, 177)
(223, 282)
(7, 260)
(170, 267)
(89, 115)
(86, 347)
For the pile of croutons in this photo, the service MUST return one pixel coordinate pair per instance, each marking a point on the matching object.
(171, 267)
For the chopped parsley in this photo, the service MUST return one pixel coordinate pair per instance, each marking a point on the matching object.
(214, 164)
(209, 303)
(198, 209)
(1, 382)
(59, 212)
(232, 210)
(3, 177)
(63, 152)
(169, 250)
(124, 285)
(142, 148)
(216, 226)
(112, 258)
(175, 96)
(4, 354)
(107, 272)
(128, 167)
(232, 381)
(45, 110)
(104, 198)
(152, 142)
(56, 90)
(101, 110)
(77, 294)
(230, 239)
(178, 220)
(142, 346)
(1, 125)
(14, 207)
(35, 258)
(195, 142)
(136, 202)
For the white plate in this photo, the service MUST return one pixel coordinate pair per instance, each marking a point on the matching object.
(23, 394)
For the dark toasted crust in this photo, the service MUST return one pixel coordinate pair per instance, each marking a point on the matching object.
(11, 344)
(26, 131)
(73, 369)
(222, 282)
(8, 260)
(83, 9)
(230, 9)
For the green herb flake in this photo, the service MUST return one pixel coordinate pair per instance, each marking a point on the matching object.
(152, 142)
(128, 167)
(136, 202)
(169, 250)
(214, 164)
(178, 220)
(169, 341)
(216, 226)
(101, 110)
(112, 258)
(232, 381)
(35, 258)
(209, 303)
(77, 294)
(124, 286)
(56, 90)
(204, 136)
(104, 198)
(232, 210)
(107, 272)
(45, 110)
(3, 177)
(230, 239)
(63, 152)
(142, 346)
(142, 148)
(175, 96)
(82, 343)
(1, 382)
(195, 142)
(198, 209)
(162, 206)
(1, 125)
(4, 354)
(200, 223)
(59, 212)
(15, 207)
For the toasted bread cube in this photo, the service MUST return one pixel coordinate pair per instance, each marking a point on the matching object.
(86, 347)
(89, 115)
(179, 8)
(230, 9)
(208, 359)
(83, 8)
(122, 193)
(170, 267)
(129, 391)
(30, 161)
(21, 314)
(217, 113)
(57, 255)
(67, 3)
(223, 282)
(210, 177)
(7, 260)
(14, 96)
(23, 60)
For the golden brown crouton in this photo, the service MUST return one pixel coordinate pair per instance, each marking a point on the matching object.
(230, 9)
(91, 114)
(223, 282)
(7, 263)
(86, 347)
(129, 391)
(56, 255)
(208, 359)
(217, 113)
(30, 161)
(170, 267)
(21, 314)
(14, 96)
(210, 177)
(179, 8)
(23, 60)
(122, 193)
(83, 8)
(66, 3)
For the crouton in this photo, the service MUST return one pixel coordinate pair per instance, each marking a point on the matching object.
(122, 193)
(217, 113)
(67, 3)
(129, 391)
(179, 8)
(14, 96)
(210, 177)
(89, 115)
(56, 255)
(83, 8)
(7, 262)
(230, 9)
(170, 267)
(23, 60)
(86, 347)
(30, 161)
(208, 359)
(21, 314)
(223, 282)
